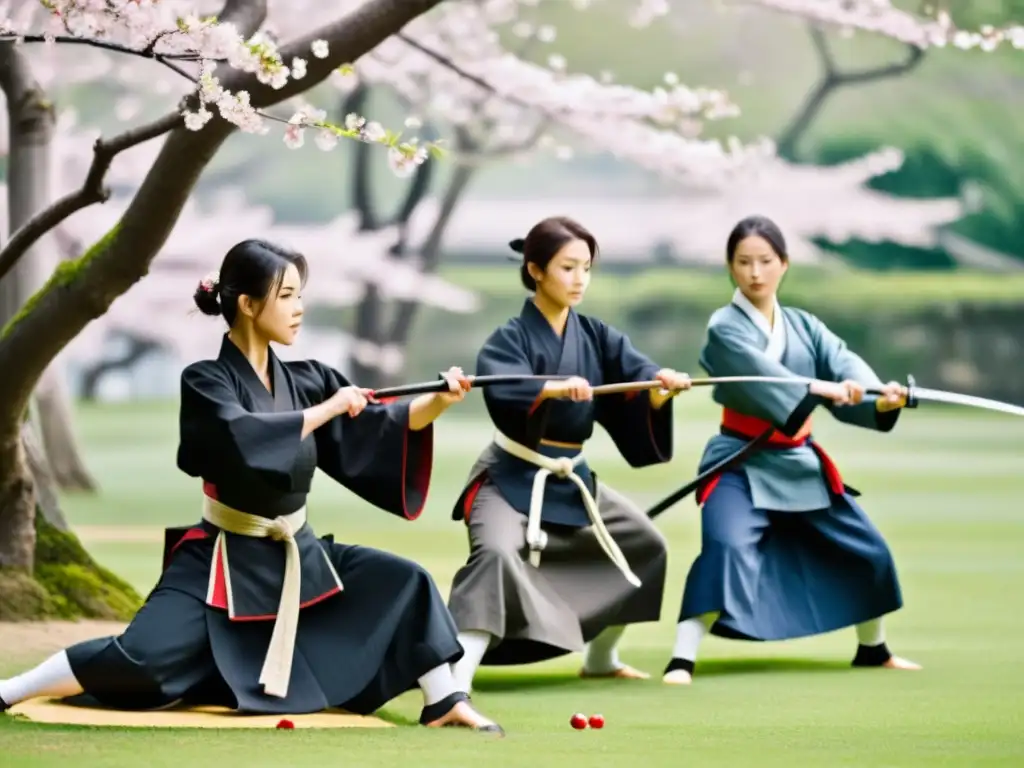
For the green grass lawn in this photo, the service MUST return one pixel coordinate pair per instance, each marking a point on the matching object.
(943, 488)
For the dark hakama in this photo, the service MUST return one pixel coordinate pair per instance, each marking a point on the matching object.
(786, 551)
(538, 612)
(370, 624)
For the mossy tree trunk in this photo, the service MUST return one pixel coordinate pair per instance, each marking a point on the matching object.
(81, 290)
(31, 125)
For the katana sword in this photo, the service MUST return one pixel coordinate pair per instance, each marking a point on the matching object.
(915, 395)
(441, 384)
(635, 386)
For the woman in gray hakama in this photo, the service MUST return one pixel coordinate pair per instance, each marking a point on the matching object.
(253, 611)
(558, 559)
(786, 550)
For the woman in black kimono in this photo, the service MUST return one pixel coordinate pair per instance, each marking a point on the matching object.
(559, 562)
(222, 626)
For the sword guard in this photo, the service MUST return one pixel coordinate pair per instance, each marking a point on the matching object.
(911, 397)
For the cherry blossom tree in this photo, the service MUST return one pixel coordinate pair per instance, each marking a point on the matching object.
(238, 98)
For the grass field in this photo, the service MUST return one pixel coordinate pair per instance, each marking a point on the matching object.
(944, 488)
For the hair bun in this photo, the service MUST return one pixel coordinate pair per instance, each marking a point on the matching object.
(205, 295)
(518, 245)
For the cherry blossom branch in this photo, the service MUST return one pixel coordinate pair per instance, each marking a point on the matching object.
(248, 16)
(92, 190)
(106, 45)
(880, 17)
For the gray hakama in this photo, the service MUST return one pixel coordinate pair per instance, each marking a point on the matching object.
(786, 551)
(547, 572)
(370, 623)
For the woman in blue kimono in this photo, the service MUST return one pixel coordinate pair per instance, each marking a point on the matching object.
(558, 559)
(786, 550)
(222, 626)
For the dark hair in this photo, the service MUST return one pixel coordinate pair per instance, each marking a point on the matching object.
(756, 226)
(546, 239)
(253, 268)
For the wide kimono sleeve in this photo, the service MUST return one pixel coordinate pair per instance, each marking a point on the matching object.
(375, 455)
(728, 351)
(518, 410)
(641, 433)
(836, 362)
(218, 435)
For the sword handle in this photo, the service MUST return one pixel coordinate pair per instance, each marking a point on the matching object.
(911, 397)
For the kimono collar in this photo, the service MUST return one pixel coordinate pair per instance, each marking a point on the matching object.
(232, 356)
(775, 333)
(535, 320)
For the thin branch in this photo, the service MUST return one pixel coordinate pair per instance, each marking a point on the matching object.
(832, 79)
(160, 58)
(92, 189)
(248, 16)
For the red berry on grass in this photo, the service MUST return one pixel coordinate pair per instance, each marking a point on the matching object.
(578, 721)
(597, 721)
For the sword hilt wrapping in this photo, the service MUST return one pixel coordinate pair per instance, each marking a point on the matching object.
(911, 397)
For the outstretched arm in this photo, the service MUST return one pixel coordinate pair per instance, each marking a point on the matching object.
(836, 362)
(380, 454)
(520, 408)
(640, 425)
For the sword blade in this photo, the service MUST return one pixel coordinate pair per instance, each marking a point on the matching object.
(954, 398)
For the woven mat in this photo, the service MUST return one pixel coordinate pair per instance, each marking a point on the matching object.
(45, 710)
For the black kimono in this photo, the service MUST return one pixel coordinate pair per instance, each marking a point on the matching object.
(370, 624)
(575, 591)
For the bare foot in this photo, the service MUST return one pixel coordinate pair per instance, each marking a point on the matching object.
(895, 662)
(625, 672)
(464, 716)
(677, 677)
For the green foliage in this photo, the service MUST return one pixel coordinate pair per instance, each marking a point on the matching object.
(67, 584)
(996, 223)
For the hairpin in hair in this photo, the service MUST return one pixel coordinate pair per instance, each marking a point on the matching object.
(210, 283)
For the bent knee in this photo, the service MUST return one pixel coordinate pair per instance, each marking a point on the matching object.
(497, 555)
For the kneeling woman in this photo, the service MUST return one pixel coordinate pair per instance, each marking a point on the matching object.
(786, 550)
(252, 610)
(558, 559)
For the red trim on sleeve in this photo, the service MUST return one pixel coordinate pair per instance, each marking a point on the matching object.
(421, 481)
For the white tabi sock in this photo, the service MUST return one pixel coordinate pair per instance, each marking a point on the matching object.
(437, 683)
(52, 678)
(871, 632)
(602, 654)
(689, 633)
(474, 642)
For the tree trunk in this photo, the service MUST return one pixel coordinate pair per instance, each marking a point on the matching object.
(47, 498)
(17, 508)
(55, 416)
(31, 124)
(431, 251)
